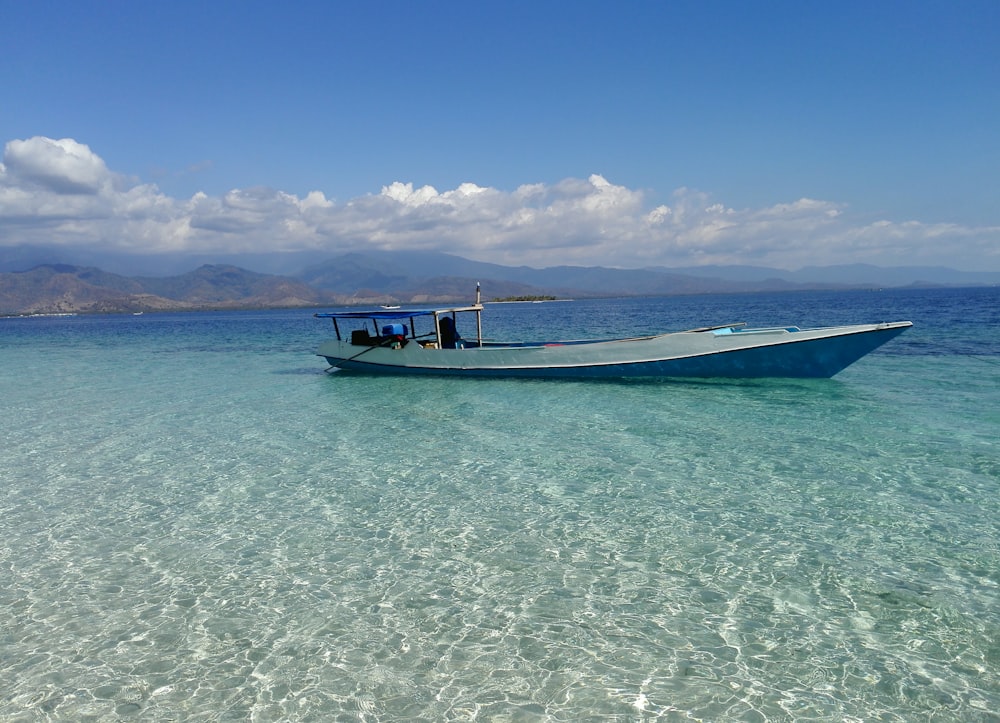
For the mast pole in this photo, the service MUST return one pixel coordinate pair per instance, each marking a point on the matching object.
(479, 316)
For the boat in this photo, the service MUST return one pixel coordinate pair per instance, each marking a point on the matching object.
(384, 341)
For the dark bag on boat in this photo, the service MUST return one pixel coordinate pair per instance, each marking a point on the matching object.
(361, 337)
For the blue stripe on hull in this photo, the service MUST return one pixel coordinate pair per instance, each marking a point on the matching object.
(816, 358)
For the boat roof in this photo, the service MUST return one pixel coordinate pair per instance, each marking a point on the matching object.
(394, 313)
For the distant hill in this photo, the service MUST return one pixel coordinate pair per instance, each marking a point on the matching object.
(408, 274)
(409, 277)
(60, 288)
(392, 272)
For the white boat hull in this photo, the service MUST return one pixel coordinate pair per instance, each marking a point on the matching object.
(725, 352)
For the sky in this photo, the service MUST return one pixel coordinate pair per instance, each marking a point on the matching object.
(537, 132)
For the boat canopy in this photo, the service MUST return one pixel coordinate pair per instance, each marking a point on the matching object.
(394, 313)
(438, 316)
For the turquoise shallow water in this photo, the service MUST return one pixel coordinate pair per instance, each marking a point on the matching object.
(198, 523)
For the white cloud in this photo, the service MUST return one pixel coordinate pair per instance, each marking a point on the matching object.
(59, 191)
(58, 166)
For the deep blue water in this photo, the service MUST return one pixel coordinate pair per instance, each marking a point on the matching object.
(198, 523)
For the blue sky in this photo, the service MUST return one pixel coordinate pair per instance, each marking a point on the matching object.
(543, 132)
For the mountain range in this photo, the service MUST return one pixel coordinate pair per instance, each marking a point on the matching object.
(32, 283)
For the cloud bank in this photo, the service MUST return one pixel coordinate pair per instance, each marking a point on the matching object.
(59, 192)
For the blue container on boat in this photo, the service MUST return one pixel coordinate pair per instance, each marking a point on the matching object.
(395, 330)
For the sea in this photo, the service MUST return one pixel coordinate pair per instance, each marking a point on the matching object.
(199, 523)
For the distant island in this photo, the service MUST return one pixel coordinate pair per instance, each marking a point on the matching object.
(529, 297)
